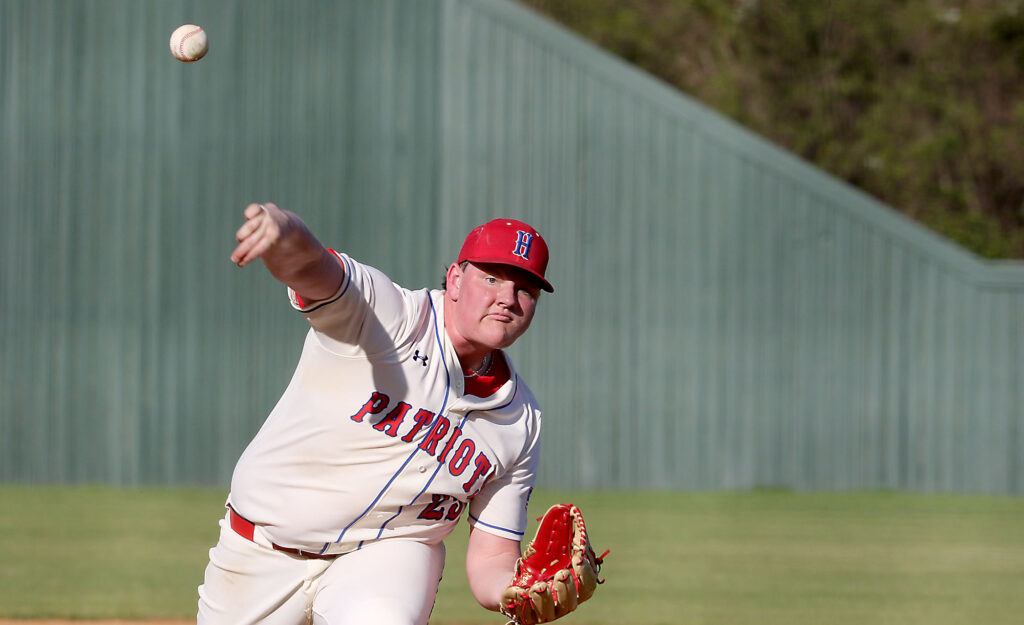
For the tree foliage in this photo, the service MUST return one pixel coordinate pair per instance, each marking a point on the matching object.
(918, 102)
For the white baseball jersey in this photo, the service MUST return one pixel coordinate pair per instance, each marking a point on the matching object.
(374, 437)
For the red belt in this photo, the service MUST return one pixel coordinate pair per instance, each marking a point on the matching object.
(246, 528)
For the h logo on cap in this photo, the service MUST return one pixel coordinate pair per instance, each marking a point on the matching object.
(523, 244)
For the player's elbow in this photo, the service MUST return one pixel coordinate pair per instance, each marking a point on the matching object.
(487, 589)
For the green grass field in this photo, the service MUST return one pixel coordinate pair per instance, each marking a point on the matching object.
(676, 558)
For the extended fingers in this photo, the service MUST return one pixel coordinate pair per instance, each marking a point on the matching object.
(254, 217)
(255, 236)
(249, 250)
(254, 210)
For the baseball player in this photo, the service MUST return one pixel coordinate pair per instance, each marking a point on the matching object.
(402, 414)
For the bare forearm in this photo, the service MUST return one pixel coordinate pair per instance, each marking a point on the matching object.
(289, 250)
(301, 262)
(488, 584)
(490, 565)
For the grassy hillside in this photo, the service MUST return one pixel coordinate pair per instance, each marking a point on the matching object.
(918, 102)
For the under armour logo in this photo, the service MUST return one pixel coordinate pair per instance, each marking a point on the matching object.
(417, 356)
(523, 244)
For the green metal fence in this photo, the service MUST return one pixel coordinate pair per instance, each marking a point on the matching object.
(725, 315)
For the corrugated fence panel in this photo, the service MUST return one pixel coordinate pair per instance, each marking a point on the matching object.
(133, 351)
(725, 316)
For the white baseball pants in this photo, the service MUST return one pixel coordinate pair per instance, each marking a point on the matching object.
(389, 582)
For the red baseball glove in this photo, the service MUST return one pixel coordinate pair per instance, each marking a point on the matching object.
(557, 572)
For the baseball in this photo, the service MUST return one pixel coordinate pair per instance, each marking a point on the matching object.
(188, 43)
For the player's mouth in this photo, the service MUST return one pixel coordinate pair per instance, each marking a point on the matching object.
(500, 316)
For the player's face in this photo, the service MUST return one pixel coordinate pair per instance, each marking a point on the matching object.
(493, 304)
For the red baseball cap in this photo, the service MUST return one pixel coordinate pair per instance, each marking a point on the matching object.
(508, 242)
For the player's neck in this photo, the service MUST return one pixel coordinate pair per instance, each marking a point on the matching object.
(473, 356)
(476, 361)
(484, 368)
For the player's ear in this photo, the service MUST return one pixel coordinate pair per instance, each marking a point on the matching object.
(453, 281)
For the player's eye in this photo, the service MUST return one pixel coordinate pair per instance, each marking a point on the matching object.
(528, 290)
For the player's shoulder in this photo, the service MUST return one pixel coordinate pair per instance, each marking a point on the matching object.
(372, 278)
(366, 287)
(527, 397)
(523, 395)
(528, 407)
